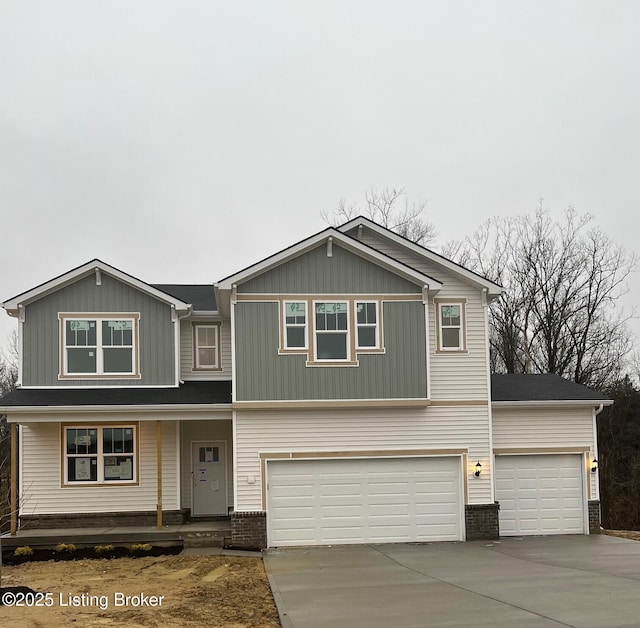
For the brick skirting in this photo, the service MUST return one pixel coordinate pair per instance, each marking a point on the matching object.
(101, 519)
(249, 529)
(594, 516)
(481, 521)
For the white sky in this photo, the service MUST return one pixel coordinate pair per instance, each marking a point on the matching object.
(181, 141)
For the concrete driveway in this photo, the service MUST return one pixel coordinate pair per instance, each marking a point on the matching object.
(531, 581)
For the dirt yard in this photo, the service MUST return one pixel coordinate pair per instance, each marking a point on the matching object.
(223, 591)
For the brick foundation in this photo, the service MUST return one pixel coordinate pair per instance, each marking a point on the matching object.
(594, 516)
(481, 521)
(249, 530)
(101, 520)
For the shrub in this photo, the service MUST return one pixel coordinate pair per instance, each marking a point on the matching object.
(104, 549)
(65, 548)
(24, 550)
(139, 548)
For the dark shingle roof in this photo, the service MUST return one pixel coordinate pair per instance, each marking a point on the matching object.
(187, 393)
(540, 387)
(202, 297)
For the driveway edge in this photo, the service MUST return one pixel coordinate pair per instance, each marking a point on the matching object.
(285, 620)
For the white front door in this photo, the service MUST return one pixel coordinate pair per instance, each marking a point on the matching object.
(209, 478)
(540, 494)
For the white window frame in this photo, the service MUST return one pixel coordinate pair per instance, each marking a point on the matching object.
(375, 325)
(100, 455)
(196, 359)
(441, 326)
(286, 325)
(99, 318)
(346, 332)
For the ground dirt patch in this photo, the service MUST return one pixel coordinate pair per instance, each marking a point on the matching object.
(625, 534)
(86, 592)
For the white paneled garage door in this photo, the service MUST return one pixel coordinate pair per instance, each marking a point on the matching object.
(540, 494)
(367, 500)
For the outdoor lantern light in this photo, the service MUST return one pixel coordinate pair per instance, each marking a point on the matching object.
(478, 469)
(594, 465)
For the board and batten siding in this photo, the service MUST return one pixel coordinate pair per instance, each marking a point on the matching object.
(262, 374)
(545, 428)
(219, 429)
(314, 272)
(275, 431)
(41, 482)
(187, 370)
(41, 332)
(454, 376)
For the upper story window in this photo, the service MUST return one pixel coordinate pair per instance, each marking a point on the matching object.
(99, 455)
(451, 332)
(332, 331)
(367, 324)
(295, 325)
(99, 345)
(206, 347)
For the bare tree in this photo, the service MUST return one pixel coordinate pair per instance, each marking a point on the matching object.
(560, 311)
(8, 379)
(391, 209)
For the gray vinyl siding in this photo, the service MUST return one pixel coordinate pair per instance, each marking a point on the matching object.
(41, 348)
(454, 376)
(264, 375)
(342, 273)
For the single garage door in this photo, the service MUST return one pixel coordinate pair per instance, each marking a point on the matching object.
(372, 500)
(540, 494)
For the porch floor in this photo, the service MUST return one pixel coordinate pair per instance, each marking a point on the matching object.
(191, 534)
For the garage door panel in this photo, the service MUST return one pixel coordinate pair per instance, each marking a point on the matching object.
(540, 494)
(365, 500)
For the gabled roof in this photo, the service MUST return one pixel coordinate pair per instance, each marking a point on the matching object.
(94, 266)
(188, 393)
(201, 296)
(542, 388)
(345, 241)
(493, 289)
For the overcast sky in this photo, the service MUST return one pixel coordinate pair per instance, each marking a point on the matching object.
(181, 141)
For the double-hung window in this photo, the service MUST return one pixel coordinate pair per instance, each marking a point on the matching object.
(367, 324)
(295, 325)
(99, 345)
(451, 326)
(206, 343)
(99, 455)
(332, 330)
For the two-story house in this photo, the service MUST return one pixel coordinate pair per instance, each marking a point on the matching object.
(336, 392)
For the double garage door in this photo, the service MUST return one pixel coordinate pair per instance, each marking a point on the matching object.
(540, 494)
(364, 500)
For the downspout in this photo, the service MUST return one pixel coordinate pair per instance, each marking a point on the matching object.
(175, 319)
(485, 307)
(595, 485)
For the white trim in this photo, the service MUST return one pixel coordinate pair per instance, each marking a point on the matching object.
(20, 345)
(485, 316)
(232, 316)
(21, 487)
(573, 403)
(376, 325)
(346, 242)
(101, 386)
(346, 332)
(100, 455)
(206, 367)
(178, 464)
(82, 271)
(100, 318)
(494, 289)
(286, 325)
(461, 327)
(427, 354)
(234, 447)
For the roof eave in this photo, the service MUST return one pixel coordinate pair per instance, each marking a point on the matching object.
(167, 407)
(493, 290)
(553, 403)
(12, 305)
(348, 243)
